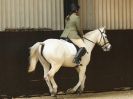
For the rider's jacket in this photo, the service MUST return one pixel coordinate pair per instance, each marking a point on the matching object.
(72, 27)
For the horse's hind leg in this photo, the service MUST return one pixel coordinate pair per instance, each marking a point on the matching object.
(46, 67)
(54, 86)
(51, 73)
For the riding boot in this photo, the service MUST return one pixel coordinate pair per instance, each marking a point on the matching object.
(79, 54)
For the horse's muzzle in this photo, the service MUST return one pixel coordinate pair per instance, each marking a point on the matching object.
(107, 47)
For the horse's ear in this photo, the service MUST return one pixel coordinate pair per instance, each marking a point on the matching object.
(104, 27)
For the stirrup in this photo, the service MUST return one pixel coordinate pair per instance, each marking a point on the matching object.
(76, 61)
(79, 55)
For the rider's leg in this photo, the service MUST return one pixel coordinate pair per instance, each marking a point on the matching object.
(78, 42)
(81, 51)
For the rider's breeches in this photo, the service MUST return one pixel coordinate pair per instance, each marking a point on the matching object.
(82, 50)
(78, 42)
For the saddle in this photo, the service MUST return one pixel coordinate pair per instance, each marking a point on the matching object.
(68, 40)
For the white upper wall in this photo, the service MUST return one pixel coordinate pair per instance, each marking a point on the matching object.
(31, 14)
(114, 14)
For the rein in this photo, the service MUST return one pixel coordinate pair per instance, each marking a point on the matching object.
(89, 40)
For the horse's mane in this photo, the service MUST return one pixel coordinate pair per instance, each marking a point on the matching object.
(92, 31)
(89, 33)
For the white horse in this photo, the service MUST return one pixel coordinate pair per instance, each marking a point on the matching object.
(55, 53)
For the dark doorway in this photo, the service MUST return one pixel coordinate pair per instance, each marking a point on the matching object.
(67, 4)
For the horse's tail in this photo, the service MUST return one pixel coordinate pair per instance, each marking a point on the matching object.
(33, 59)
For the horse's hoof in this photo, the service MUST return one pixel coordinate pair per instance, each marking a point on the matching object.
(61, 93)
(70, 91)
(79, 92)
(53, 94)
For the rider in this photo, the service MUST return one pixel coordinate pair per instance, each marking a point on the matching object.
(74, 32)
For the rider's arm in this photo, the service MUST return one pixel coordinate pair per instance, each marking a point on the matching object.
(78, 26)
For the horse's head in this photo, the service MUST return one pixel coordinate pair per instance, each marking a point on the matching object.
(103, 41)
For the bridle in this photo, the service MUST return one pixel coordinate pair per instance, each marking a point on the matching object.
(102, 32)
(103, 39)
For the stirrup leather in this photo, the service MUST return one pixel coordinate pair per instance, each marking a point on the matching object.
(79, 55)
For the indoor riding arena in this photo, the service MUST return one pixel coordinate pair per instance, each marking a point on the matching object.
(109, 75)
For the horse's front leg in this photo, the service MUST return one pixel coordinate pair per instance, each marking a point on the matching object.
(81, 71)
(81, 88)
